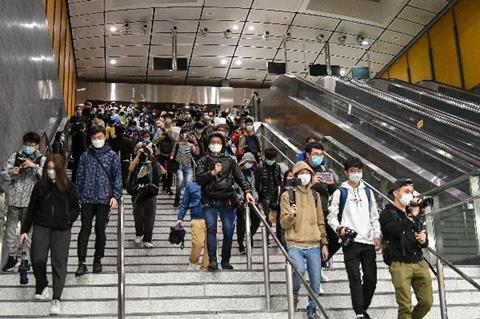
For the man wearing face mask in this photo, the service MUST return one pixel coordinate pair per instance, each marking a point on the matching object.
(353, 208)
(22, 171)
(304, 224)
(249, 142)
(99, 184)
(303, 156)
(408, 267)
(217, 175)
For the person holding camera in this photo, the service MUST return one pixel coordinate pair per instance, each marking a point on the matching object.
(304, 225)
(144, 184)
(402, 228)
(20, 174)
(217, 175)
(353, 214)
(53, 209)
(182, 156)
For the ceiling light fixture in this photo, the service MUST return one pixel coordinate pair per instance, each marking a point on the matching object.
(266, 35)
(343, 72)
(227, 34)
(342, 39)
(238, 62)
(113, 61)
(235, 27)
(362, 40)
(223, 61)
(113, 28)
(251, 28)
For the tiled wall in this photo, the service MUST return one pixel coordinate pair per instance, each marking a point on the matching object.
(31, 98)
(447, 53)
(61, 37)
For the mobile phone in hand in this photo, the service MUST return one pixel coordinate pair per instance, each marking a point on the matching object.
(326, 177)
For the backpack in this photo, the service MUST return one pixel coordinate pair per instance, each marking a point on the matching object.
(292, 196)
(343, 200)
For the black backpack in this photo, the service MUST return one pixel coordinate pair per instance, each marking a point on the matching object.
(177, 236)
(292, 196)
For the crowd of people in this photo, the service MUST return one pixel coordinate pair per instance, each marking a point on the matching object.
(218, 165)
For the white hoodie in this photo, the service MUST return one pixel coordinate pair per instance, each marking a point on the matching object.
(356, 214)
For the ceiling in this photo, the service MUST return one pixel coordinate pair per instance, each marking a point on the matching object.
(107, 50)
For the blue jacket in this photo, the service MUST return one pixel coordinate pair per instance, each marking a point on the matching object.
(301, 157)
(191, 199)
(93, 184)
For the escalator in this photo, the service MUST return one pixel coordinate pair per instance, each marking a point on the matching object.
(462, 108)
(459, 134)
(451, 91)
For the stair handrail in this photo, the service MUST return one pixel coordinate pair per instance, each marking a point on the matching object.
(451, 183)
(289, 261)
(121, 258)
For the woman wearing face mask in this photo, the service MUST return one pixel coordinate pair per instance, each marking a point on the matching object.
(53, 208)
(249, 141)
(58, 146)
(303, 221)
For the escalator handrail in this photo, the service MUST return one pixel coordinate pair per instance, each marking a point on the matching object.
(451, 183)
(289, 260)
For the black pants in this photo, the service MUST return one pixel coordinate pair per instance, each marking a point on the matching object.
(101, 213)
(58, 242)
(241, 226)
(333, 244)
(361, 289)
(256, 220)
(167, 179)
(125, 165)
(144, 215)
(76, 161)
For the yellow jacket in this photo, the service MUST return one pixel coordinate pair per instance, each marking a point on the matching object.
(307, 228)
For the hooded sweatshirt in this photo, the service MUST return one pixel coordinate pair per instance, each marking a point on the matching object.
(357, 214)
(307, 228)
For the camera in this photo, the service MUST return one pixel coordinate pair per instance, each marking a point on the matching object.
(420, 222)
(422, 203)
(348, 238)
(293, 182)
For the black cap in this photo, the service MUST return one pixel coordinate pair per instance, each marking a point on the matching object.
(400, 183)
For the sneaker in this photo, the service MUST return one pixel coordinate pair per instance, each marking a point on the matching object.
(241, 249)
(81, 270)
(55, 307)
(213, 266)
(147, 244)
(366, 315)
(361, 316)
(226, 265)
(97, 266)
(10, 265)
(295, 302)
(324, 277)
(321, 291)
(176, 202)
(192, 267)
(169, 192)
(138, 240)
(45, 295)
(312, 315)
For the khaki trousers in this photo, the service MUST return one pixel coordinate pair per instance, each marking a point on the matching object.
(199, 242)
(412, 275)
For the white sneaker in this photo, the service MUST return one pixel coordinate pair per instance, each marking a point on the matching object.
(192, 267)
(324, 277)
(55, 307)
(45, 295)
(147, 244)
(321, 291)
(138, 240)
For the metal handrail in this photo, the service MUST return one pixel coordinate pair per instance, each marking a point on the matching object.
(289, 260)
(448, 207)
(451, 183)
(121, 259)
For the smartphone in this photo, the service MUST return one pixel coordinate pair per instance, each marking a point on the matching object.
(326, 177)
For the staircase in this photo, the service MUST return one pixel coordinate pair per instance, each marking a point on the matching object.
(158, 284)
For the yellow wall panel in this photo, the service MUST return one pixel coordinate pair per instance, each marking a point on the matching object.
(57, 29)
(51, 16)
(467, 16)
(444, 53)
(419, 60)
(399, 69)
(63, 40)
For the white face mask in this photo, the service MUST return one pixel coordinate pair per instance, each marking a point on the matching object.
(98, 143)
(51, 173)
(248, 165)
(355, 177)
(215, 148)
(406, 199)
(305, 178)
(62, 138)
(249, 128)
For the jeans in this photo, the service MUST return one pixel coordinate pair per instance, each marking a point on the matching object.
(227, 216)
(184, 175)
(361, 288)
(144, 216)
(312, 259)
(101, 213)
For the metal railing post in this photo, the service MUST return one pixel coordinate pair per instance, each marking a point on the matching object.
(248, 235)
(121, 259)
(266, 268)
(289, 282)
(441, 290)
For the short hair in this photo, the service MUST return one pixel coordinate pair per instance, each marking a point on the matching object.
(310, 138)
(270, 153)
(352, 162)
(249, 120)
(184, 130)
(95, 130)
(310, 147)
(31, 137)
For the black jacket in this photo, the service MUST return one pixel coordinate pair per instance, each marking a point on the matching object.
(79, 144)
(51, 208)
(220, 187)
(123, 145)
(267, 181)
(57, 148)
(325, 190)
(398, 229)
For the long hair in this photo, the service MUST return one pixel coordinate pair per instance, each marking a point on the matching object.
(61, 179)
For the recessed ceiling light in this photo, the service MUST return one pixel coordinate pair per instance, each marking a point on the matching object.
(364, 42)
(223, 61)
(113, 28)
(251, 28)
(343, 72)
(113, 61)
(235, 27)
(238, 62)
